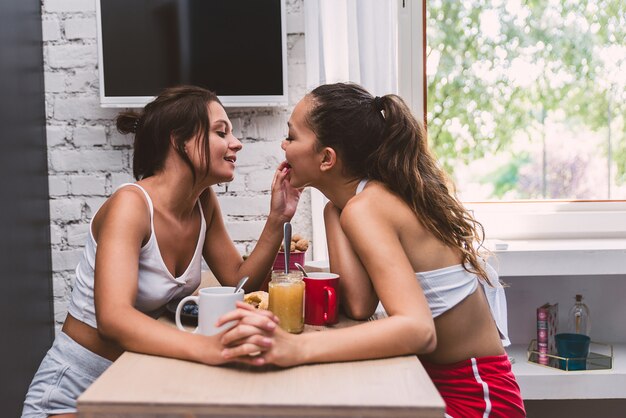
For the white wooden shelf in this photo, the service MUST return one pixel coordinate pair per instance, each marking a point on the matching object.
(539, 382)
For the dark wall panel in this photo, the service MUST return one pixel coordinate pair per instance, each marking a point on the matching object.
(26, 320)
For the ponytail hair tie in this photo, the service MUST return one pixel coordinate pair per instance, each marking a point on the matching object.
(378, 103)
(135, 125)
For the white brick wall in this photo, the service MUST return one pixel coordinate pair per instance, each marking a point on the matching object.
(88, 136)
(88, 158)
(88, 185)
(68, 6)
(51, 30)
(71, 55)
(56, 135)
(80, 28)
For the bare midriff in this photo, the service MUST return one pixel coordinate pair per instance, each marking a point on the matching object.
(465, 331)
(91, 339)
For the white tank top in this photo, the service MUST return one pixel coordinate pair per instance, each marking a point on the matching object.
(446, 287)
(155, 287)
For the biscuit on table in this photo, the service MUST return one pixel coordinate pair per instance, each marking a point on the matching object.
(258, 299)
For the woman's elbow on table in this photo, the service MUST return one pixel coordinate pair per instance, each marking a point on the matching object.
(359, 310)
(428, 342)
(420, 337)
(109, 325)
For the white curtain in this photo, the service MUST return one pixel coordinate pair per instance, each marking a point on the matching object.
(349, 40)
(352, 40)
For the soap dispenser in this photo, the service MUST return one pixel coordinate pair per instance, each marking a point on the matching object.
(579, 321)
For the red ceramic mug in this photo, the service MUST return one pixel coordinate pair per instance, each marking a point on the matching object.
(321, 298)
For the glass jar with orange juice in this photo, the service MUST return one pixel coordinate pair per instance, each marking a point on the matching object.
(287, 299)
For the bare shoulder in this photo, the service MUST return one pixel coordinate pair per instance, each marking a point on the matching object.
(376, 203)
(126, 208)
(128, 198)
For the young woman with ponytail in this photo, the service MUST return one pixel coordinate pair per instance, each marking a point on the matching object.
(145, 247)
(397, 234)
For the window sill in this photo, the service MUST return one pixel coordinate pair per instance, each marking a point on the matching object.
(570, 257)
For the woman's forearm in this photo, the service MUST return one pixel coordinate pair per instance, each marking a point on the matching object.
(387, 337)
(135, 331)
(358, 297)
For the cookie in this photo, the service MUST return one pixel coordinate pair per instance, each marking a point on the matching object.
(258, 299)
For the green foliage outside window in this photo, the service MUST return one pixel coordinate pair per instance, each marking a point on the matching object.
(499, 69)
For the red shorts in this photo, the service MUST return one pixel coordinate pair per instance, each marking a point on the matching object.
(478, 387)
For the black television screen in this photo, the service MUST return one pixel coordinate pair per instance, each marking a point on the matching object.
(236, 48)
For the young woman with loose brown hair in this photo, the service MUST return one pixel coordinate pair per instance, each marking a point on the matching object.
(145, 247)
(397, 234)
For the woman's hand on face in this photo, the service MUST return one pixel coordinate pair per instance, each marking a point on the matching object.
(250, 337)
(284, 197)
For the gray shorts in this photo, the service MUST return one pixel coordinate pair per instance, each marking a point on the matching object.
(65, 373)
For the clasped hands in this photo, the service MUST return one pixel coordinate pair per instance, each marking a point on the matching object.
(252, 336)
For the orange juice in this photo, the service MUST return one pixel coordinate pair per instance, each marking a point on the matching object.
(287, 300)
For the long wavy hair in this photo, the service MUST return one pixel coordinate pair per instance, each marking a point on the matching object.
(171, 119)
(379, 139)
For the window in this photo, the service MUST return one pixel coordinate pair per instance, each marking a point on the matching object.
(525, 101)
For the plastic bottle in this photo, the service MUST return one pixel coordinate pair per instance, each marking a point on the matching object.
(579, 320)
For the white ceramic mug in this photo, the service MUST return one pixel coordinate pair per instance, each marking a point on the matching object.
(212, 302)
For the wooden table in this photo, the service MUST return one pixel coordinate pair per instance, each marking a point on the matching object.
(139, 385)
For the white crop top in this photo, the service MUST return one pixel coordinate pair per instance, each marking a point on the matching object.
(446, 287)
(155, 285)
